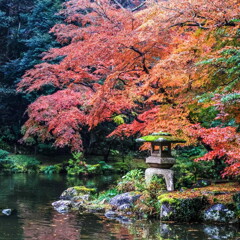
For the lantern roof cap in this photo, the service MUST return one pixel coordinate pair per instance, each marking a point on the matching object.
(160, 137)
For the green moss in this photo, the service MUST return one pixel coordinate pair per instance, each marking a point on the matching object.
(165, 199)
(185, 209)
(84, 189)
(159, 138)
(161, 134)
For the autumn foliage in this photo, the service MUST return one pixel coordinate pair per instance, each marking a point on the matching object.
(155, 66)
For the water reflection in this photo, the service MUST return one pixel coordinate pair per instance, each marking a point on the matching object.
(34, 218)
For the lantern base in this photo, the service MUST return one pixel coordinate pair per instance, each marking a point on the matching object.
(166, 173)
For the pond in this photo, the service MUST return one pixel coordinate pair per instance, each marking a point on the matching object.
(31, 195)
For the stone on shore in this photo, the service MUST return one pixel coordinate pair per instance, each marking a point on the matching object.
(124, 198)
(72, 192)
(219, 213)
(62, 206)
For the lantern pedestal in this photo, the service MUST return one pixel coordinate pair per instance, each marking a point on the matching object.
(166, 173)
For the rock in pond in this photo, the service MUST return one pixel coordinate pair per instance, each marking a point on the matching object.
(72, 192)
(182, 209)
(62, 206)
(110, 214)
(165, 211)
(7, 211)
(78, 201)
(219, 213)
(124, 198)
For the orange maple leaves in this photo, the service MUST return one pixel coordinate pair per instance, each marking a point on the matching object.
(114, 61)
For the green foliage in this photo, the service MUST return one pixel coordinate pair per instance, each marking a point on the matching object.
(236, 200)
(24, 36)
(119, 119)
(231, 97)
(20, 163)
(132, 181)
(205, 116)
(3, 158)
(187, 171)
(46, 149)
(157, 185)
(133, 175)
(3, 154)
(228, 66)
(51, 169)
(128, 162)
(105, 167)
(121, 166)
(77, 166)
(107, 195)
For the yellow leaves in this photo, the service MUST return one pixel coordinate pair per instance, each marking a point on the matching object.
(119, 119)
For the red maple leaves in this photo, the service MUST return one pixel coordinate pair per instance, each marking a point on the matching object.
(139, 64)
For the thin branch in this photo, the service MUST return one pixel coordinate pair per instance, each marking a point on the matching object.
(139, 6)
(119, 4)
(139, 120)
(189, 24)
(88, 85)
(141, 54)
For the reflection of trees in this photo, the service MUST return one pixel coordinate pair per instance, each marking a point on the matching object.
(73, 227)
(154, 230)
(197, 231)
(59, 227)
(115, 230)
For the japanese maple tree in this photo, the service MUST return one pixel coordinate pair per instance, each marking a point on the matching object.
(140, 64)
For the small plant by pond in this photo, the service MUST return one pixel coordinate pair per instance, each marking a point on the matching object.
(50, 169)
(18, 163)
(78, 166)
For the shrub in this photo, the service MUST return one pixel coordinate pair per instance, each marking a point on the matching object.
(51, 169)
(107, 195)
(21, 163)
(76, 165)
(3, 154)
(187, 171)
(132, 181)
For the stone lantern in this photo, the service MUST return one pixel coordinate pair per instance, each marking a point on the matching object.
(161, 159)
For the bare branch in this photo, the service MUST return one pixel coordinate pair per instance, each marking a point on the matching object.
(141, 54)
(139, 6)
(189, 24)
(119, 4)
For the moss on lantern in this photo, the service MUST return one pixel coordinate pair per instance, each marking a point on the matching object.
(160, 137)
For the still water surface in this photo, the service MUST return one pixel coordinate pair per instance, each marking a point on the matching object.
(34, 218)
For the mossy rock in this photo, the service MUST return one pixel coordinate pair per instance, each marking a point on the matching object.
(184, 210)
(219, 213)
(96, 208)
(72, 192)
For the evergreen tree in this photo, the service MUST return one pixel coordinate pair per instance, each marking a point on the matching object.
(24, 35)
